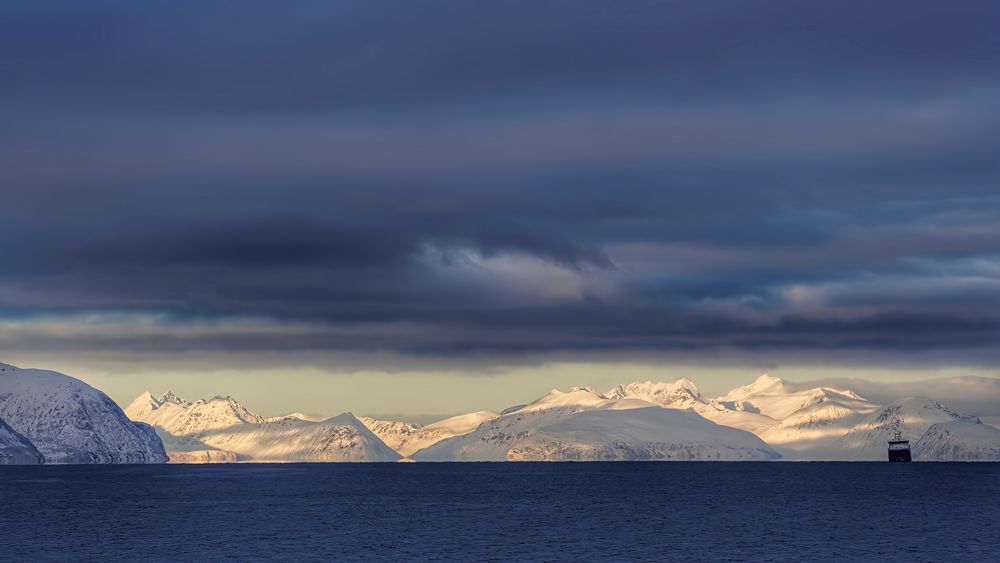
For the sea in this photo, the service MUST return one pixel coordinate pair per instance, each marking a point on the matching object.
(646, 511)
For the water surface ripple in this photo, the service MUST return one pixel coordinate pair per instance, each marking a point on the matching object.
(496, 511)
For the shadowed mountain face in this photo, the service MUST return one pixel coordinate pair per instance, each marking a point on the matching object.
(959, 440)
(69, 421)
(15, 449)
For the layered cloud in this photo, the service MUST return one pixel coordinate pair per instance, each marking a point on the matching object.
(448, 179)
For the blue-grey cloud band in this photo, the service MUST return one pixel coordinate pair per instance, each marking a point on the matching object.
(454, 178)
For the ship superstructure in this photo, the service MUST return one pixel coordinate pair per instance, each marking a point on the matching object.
(899, 449)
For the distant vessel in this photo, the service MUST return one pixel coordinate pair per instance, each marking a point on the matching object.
(899, 449)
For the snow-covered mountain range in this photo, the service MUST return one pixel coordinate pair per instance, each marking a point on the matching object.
(220, 429)
(584, 425)
(68, 421)
(53, 418)
(766, 419)
(826, 423)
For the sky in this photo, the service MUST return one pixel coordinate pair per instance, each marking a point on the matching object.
(436, 207)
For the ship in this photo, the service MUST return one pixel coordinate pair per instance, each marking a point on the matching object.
(899, 449)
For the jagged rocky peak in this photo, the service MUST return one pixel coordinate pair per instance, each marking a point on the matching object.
(171, 397)
(231, 405)
(682, 393)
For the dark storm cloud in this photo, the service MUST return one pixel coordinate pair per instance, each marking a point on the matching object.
(564, 176)
(328, 55)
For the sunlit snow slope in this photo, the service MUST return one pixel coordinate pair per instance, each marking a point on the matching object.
(583, 425)
(222, 430)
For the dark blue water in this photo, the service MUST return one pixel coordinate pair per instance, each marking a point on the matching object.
(488, 511)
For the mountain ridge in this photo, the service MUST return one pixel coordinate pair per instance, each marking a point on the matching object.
(221, 429)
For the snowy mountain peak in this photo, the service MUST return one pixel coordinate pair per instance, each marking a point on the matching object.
(687, 385)
(144, 402)
(182, 417)
(576, 397)
(921, 406)
(69, 421)
(345, 418)
(768, 381)
(772, 397)
(171, 397)
(822, 395)
(681, 394)
(297, 416)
